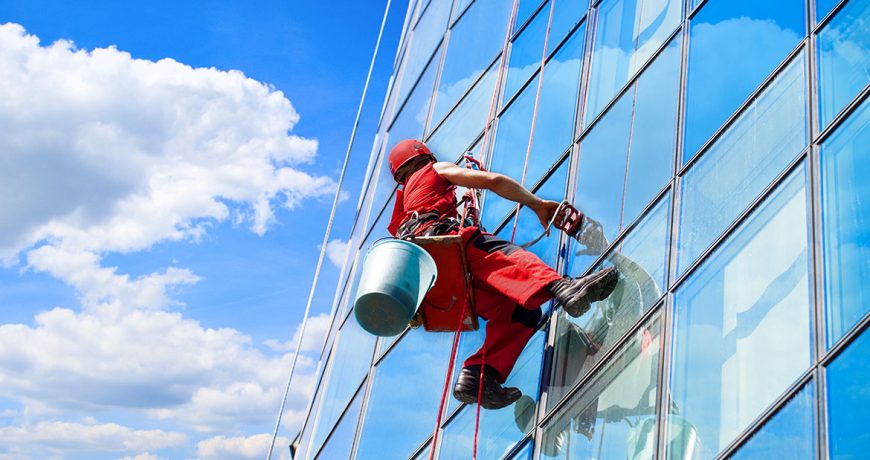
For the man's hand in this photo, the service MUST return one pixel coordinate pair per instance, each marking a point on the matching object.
(545, 211)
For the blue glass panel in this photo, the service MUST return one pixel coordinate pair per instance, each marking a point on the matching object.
(844, 58)
(340, 443)
(849, 401)
(526, 8)
(846, 223)
(789, 434)
(651, 153)
(411, 120)
(823, 7)
(425, 38)
(466, 122)
(308, 429)
(741, 164)
(627, 34)
(405, 394)
(640, 259)
(733, 46)
(499, 429)
(525, 453)
(614, 416)
(351, 362)
(475, 41)
(742, 322)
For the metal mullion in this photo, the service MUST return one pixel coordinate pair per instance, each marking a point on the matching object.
(370, 383)
(769, 412)
(525, 25)
(627, 86)
(421, 448)
(793, 165)
(676, 180)
(423, 9)
(518, 446)
(845, 341)
(380, 359)
(821, 409)
(843, 115)
(338, 421)
(663, 381)
(460, 15)
(604, 361)
(321, 386)
(694, 11)
(745, 105)
(828, 17)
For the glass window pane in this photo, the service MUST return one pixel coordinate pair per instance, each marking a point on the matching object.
(733, 46)
(640, 259)
(353, 356)
(466, 122)
(627, 34)
(411, 120)
(425, 38)
(788, 434)
(525, 453)
(844, 58)
(849, 401)
(742, 321)
(846, 223)
(614, 417)
(526, 8)
(474, 42)
(499, 429)
(823, 7)
(406, 390)
(341, 441)
(741, 164)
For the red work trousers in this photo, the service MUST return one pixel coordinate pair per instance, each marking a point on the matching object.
(509, 288)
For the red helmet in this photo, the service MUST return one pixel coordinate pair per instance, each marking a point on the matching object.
(405, 151)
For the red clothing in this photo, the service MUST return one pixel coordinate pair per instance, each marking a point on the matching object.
(509, 282)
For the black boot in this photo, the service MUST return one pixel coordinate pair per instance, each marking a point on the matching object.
(576, 295)
(493, 396)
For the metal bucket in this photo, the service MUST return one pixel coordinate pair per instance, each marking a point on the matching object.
(396, 275)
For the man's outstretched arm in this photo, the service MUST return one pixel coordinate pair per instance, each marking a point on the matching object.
(500, 184)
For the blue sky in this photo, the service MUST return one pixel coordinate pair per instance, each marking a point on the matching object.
(165, 225)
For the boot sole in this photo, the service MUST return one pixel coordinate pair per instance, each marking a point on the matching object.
(598, 287)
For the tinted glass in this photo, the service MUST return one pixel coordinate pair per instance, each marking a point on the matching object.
(427, 34)
(789, 434)
(352, 359)
(742, 322)
(464, 124)
(823, 7)
(526, 8)
(640, 259)
(627, 34)
(741, 164)
(499, 429)
(525, 453)
(849, 401)
(844, 58)
(340, 442)
(411, 120)
(614, 417)
(846, 222)
(475, 41)
(733, 46)
(405, 393)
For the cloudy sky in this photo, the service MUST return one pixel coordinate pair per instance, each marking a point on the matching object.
(166, 173)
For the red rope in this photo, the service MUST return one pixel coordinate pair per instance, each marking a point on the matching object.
(534, 113)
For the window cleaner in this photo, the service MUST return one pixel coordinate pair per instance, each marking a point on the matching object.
(508, 284)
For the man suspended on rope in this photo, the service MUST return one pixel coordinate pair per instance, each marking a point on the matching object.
(510, 283)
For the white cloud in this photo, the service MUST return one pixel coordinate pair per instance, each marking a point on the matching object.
(315, 332)
(106, 437)
(142, 456)
(105, 152)
(242, 447)
(336, 252)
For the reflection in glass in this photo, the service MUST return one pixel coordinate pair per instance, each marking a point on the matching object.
(340, 441)
(733, 46)
(353, 356)
(525, 453)
(844, 58)
(403, 405)
(633, 142)
(741, 164)
(474, 42)
(823, 7)
(411, 120)
(627, 34)
(426, 37)
(846, 223)
(466, 122)
(849, 401)
(614, 417)
(640, 259)
(525, 9)
(500, 429)
(742, 321)
(789, 434)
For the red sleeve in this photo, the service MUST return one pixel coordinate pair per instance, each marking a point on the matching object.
(398, 214)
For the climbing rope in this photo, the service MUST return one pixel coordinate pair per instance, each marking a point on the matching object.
(327, 233)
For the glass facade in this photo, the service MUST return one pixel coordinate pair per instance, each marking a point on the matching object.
(719, 150)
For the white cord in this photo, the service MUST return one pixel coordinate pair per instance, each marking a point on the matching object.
(328, 230)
